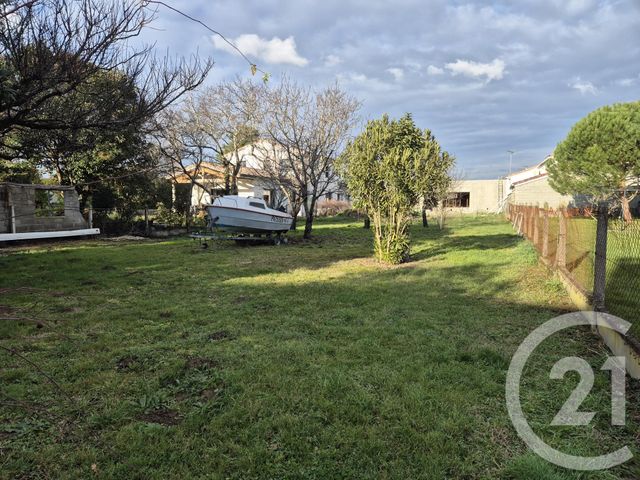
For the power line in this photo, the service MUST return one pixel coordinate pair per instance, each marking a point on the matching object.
(254, 67)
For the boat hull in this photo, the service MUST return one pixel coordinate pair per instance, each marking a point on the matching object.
(247, 221)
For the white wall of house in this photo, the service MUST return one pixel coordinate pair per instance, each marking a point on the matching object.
(484, 196)
(538, 191)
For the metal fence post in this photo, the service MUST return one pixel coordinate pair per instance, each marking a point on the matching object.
(561, 253)
(13, 219)
(600, 261)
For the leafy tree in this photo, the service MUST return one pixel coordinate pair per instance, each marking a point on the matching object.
(388, 169)
(18, 172)
(601, 156)
(83, 157)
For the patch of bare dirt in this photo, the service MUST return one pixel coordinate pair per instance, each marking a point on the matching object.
(201, 363)
(210, 393)
(125, 363)
(219, 335)
(163, 416)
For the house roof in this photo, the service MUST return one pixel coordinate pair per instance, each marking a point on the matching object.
(532, 167)
(212, 170)
(530, 179)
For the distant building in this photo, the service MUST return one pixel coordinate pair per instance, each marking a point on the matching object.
(475, 196)
(529, 186)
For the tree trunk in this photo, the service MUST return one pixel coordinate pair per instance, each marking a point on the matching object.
(626, 211)
(308, 224)
(295, 210)
(367, 222)
(233, 187)
(227, 180)
(425, 220)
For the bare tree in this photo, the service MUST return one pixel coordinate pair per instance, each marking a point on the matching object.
(308, 129)
(456, 177)
(210, 127)
(49, 48)
(226, 118)
(179, 146)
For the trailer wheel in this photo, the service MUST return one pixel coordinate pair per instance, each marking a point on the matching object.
(277, 241)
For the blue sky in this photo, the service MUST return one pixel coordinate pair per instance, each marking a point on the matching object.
(485, 77)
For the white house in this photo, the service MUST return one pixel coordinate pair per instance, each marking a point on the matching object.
(253, 180)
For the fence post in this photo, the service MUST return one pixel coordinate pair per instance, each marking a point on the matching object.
(600, 261)
(536, 229)
(90, 212)
(146, 221)
(13, 219)
(561, 253)
(545, 233)
(530, 212)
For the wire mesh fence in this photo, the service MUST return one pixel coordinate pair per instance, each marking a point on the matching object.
(569, 240)
(622, 293)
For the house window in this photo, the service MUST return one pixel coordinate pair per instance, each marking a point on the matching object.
(49, 203)
(458, 199)
(339, 197)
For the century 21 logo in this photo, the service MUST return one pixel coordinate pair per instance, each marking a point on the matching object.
(569, 414)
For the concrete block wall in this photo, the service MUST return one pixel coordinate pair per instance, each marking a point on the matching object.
(23, 198)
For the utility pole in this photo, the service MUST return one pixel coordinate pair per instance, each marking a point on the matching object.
(510, 152)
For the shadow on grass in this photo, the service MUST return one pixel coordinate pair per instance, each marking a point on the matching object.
(468, 242)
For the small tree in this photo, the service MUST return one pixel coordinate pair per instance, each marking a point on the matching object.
(439, 186)
(307, 129)
(601, 156)
(388, 168)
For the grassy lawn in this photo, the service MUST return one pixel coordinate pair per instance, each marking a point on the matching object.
(303, 361)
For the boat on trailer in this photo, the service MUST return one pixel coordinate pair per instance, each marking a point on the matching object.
(232, 213)
(245, 219)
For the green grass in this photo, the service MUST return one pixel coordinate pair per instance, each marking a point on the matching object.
(303, 361)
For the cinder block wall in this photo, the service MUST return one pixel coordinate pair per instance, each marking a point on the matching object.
(23, 198)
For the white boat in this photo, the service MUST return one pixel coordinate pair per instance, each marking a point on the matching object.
(246, 215)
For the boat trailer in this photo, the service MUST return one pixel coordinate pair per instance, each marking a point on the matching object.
(240, 238)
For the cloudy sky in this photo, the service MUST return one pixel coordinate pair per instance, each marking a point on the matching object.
(485, 77)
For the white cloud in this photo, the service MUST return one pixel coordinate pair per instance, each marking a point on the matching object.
(275, 50)
(584, 87)
(627, 82)
(433, 70)
(332, 60)
(398, 73)
(492, 71)
(575, 7)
